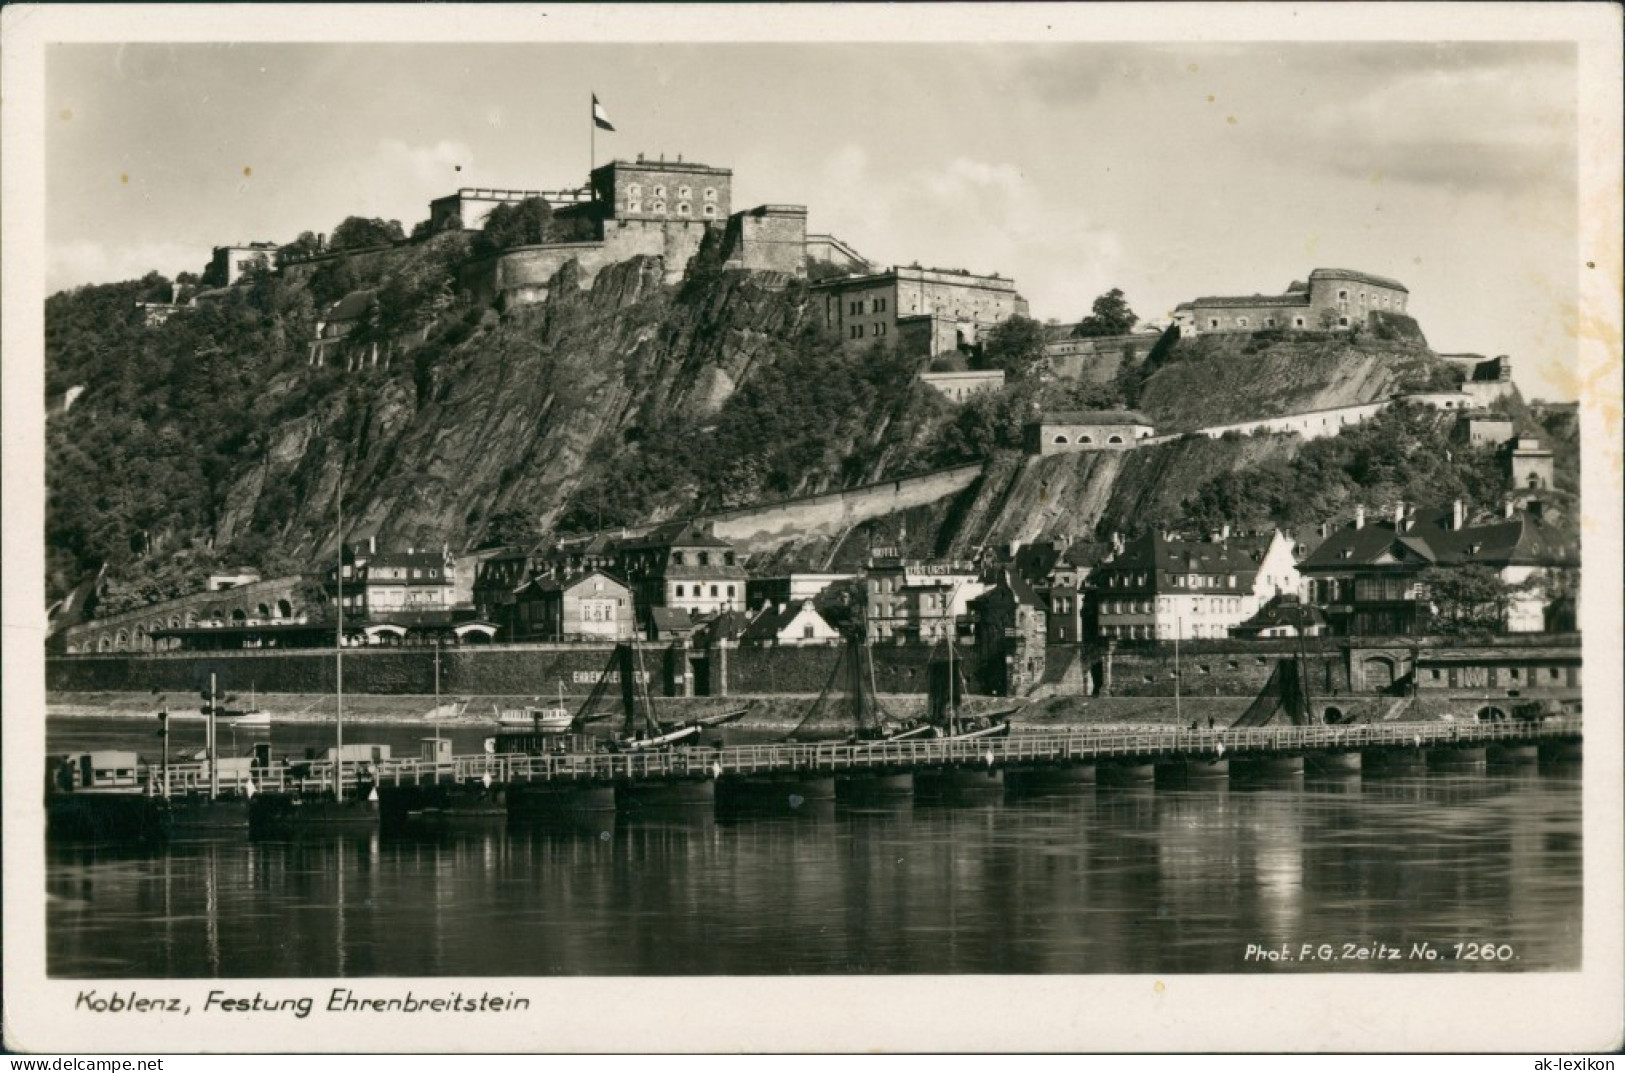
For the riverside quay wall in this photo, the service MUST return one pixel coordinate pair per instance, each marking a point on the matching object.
(1515, 666)
(491, 669)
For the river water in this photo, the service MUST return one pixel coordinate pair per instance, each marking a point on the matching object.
(1087, 880)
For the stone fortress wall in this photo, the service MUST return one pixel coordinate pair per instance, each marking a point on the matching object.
(1337, 298)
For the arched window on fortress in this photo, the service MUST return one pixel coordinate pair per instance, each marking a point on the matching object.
(1114, 439)
(710, 210)
(1061, 439)
(657, 206)
(710, 193)
(1086, 439)
(682, 208)
(684, 191)
(635, 190)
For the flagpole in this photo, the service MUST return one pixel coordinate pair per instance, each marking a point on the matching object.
(592, 137)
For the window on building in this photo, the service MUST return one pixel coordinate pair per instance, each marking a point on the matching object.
(1342, 296)
(730, 592)
(679, 591)
(1241, 322)
(660, 191)
(1213, 322)
(713, 590)
(1297, 322)
(710, 210)
(880, 305)
(857, 331)
(1059, 439)
(657, 206)
(1086, 439)
(1342, 322)
(682, 208)
(1114, 439)
(710, 193)
(634, 190)
(1269, 322)
(684, 191)
(880, 329)
(677, 558)
(705, 558)
(807, 632)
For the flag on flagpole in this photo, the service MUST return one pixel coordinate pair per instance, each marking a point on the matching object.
(600, 118)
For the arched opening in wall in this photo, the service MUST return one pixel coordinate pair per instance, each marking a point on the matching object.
(1086, 439)
(104, 643)
(174, 622)
(1491, 714)
(284, 609)
(72, 650)
(1332, 715)
(263, 611)
(238, 617)
(1378, 672)
(1534, 480)
(121, 642)
(1061, 439)
(1114, 439)
(191, 619)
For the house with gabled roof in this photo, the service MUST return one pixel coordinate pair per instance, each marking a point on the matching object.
(683, 565)
(1367, 575)
(789, 624)
(1160, 587)
(586, 607)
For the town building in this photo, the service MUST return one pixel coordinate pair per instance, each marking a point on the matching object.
(587, 607)
(1526, 465)
(1334, 298)
(1368, 576)
(685, 567)
(917, 601)
(231, 263)
(338, 320)
(1493, 684)
(959, 385)
(1285, 616)
(497, 581)
(791, 587)
(1480, 429)
(1011, 632)
(1160, 587)
(789, 625)
(1086, 430)
(380, 584)
(923, 311)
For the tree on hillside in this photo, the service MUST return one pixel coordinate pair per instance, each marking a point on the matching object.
(358, 232)
(1466, 599)
(1016, 346)
(519, 223)
(300, 248)
(1110, 315)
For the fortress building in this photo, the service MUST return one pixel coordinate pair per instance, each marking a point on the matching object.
(1333, 299)
(927, 311)
(470, 205)
(231, 263)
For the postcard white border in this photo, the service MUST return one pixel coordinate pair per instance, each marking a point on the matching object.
(1578, 1011)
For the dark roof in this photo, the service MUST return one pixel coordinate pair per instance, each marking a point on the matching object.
(767, 625)
(1093, 417)
(352, 306)
(1358, 277)
(552, 583)
(670, 620)
(1282, 611)
(407, 558)
(724, 626)
(1522, 540)
(1154, 554)
(1084, 553)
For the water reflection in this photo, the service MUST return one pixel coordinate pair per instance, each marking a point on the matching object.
(1130, 879)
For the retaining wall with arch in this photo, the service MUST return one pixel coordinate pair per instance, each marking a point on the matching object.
(277, 600)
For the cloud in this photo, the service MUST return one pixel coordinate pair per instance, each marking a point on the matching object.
(1467, 127)
(965, 212)
(82, 261)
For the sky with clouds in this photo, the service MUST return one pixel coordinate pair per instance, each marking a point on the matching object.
(1170, 171)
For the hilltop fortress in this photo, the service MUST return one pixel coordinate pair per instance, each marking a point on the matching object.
(1334, 298)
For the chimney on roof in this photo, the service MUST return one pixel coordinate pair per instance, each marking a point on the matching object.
(1458, 515)
(1359, 516)
(1324, 530)
(1399, 515)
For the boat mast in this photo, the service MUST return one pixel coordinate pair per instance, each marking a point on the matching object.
(338, 658)
(1179, 715)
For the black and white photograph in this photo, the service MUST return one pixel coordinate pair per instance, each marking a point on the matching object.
(954, 527)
